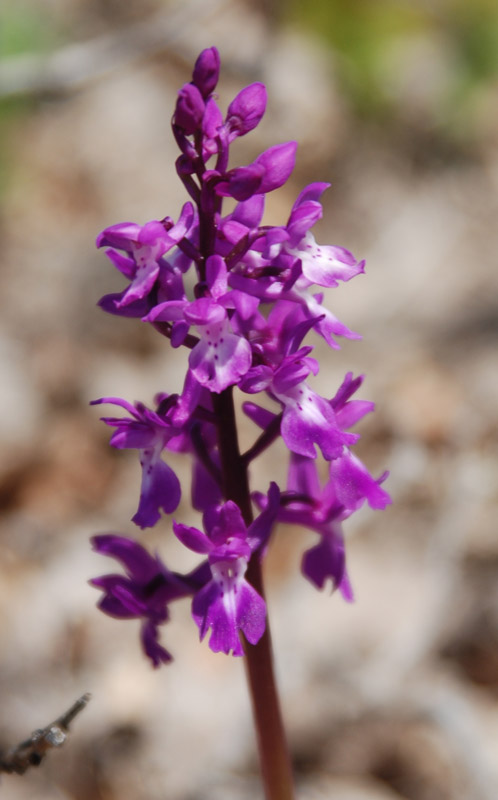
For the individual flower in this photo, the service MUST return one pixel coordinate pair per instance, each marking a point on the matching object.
(221, 357)
(323, 509)
(147, 432)
(228, 604)
(308, 505)
(354, 484)
(269, 171)
(144, 248)
(323, 265)
(284, 262)
(143, 593)
(307, 418)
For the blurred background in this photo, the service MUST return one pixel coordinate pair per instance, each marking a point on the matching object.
(395, 104)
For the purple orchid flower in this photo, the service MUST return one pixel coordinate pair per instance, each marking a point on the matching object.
(221, 357)
(268, 172)
(321, 265)
(228, 604)
(307, 419)
(307, 505)
(144, 247)
(241, 296)
(324, 509)
(144, 593)
(149, 433)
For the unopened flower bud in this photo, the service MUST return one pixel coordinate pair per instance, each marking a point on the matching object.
(245, 110)
(189, 109)
(206, 71)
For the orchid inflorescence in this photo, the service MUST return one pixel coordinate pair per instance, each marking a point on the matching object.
(244, 323)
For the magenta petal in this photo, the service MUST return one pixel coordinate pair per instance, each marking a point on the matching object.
(328, 326)
(185, 220)
(251, 612)
(137, 561)
(354, 484)
(353, 411)
(212, 120)
(245, 305)
(346, 589)
(224, 521)
(303, 476)
(120, 605)
(208, 612)
(141, 285)
(226, 614)
(312, 192)
(125, 593)
(130, 434)
(205, 311)
(216, 276)
(171, 310)
(346, 390)
(302, 219)
(113, 304)
(149, 635)
(325, 265)
(114, 607)
(325, 561)
(160, 490)
(153, 233)
(221, 360)
(256, 379)
(249, 212)
(117, 401)
(124, 264)
(311, 421)
(192, 538)
(242, 182)
(120, 235)
(179, 332)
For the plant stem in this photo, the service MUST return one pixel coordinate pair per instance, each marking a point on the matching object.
(274, 755)
(272, 745)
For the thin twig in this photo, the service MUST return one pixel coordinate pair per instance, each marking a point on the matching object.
(31, 752)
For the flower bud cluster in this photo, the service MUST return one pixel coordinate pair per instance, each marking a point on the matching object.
(252, 305)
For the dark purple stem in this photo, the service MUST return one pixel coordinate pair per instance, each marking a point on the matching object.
(265, 440)
(273, 751)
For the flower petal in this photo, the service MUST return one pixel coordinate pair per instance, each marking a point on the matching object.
(160, 490)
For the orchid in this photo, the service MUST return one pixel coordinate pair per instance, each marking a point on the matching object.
(242, 298)
(144, 593)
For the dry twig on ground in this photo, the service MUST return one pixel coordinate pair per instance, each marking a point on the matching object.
(31, 752)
